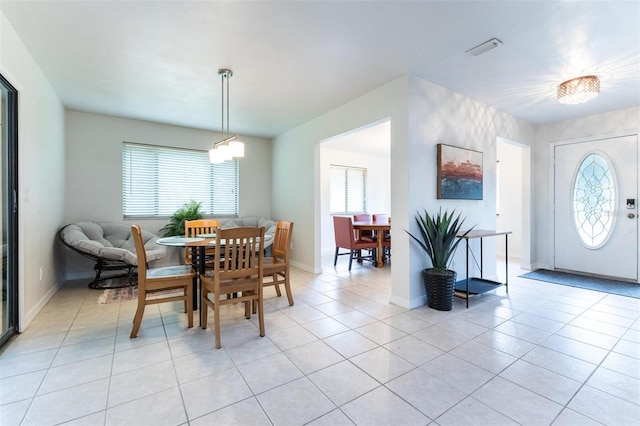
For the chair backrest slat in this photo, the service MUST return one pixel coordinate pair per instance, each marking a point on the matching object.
(141, 254)
(282, 241)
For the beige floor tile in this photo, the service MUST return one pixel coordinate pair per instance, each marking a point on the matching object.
(413, 350)
(269, 372)
(413, 386)
(27, 363)
(334, 418)
(605, 408)
(470, 412)
(243, 413)
(503, 360)
(517, 403)
(383, 407)
(68, 404)
(551, 385)
(141, 382)
(617, 384)
(161, 408)
(296, 403)
(213, 392)
(325, 327)
(24, 386)
(575, 348)
(382, 365)
(350, 343)
(380, 332)
(314, 356)
(343, 382)
(457, 372)
(483, 356)
(76, 373)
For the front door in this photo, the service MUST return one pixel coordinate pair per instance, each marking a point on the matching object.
(596, 207)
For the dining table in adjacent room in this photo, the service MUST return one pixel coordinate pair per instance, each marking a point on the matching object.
(380, 229)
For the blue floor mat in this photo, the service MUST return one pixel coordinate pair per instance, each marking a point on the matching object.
(621, 288)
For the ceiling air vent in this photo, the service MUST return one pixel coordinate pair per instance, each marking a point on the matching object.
(484, 47)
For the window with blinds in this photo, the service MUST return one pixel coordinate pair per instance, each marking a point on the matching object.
(156, 181)
(348, 188)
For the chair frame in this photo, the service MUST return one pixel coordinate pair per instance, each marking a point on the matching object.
(350, 242)
(152, 281)
(277, 266)
(238, 268)
(193, 228)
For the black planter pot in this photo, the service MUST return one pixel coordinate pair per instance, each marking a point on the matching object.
(439, 287)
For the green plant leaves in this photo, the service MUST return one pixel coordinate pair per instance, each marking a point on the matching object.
(189, 211)
(438, 236)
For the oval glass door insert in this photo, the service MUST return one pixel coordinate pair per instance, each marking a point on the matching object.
(594, 200)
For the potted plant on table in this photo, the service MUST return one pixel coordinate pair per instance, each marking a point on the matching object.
(438, 239)
(189, 211)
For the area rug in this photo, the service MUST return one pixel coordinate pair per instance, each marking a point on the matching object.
(621, 288)
(112, 295)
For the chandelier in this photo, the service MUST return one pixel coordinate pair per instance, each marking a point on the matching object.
(229, 146)
(579, 90)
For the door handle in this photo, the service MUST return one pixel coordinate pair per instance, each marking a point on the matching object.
(631, 215)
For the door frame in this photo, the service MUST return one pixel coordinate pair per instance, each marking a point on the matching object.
(552, 194)
(12, 220)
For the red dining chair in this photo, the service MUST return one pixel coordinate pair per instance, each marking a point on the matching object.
(365, 234)
(343, 231)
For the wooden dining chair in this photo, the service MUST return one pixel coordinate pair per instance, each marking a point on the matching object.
(153, 281)
(343, 232)
(276, 268)
(237, 268)
(193, 228)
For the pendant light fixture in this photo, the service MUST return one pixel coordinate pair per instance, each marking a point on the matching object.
(229, 146)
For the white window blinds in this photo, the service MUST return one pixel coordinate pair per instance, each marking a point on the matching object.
(156, 181)
(348, 189)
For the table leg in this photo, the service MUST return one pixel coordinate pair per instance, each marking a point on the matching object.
(196, 279)
(201, 270)
(380, 238)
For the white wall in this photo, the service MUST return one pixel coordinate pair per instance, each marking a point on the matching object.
(421, 116)
(510, 157)
(613, 123)
(378, 187)
(41, 165)
(94, 171)
(440, 116)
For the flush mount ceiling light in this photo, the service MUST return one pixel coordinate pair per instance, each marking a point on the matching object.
(484, 47)
(229, 146)
(579, 90)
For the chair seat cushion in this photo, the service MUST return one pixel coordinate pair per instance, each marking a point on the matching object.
(170, 271)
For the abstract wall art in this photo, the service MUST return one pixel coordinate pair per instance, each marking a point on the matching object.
(459, 173)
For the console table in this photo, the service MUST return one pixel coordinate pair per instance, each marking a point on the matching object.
(472, 285)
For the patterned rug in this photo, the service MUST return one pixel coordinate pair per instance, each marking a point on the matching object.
(112, 295)
(591, 283)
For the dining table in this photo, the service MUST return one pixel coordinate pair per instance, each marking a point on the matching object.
(380, 230)
(198, 246)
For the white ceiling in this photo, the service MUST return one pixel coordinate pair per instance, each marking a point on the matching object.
(295, 60)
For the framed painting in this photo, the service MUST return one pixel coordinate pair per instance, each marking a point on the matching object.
(459, 173)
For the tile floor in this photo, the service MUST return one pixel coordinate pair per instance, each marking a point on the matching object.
(545, 354)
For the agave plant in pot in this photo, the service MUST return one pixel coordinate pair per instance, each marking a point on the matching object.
(438, 239)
